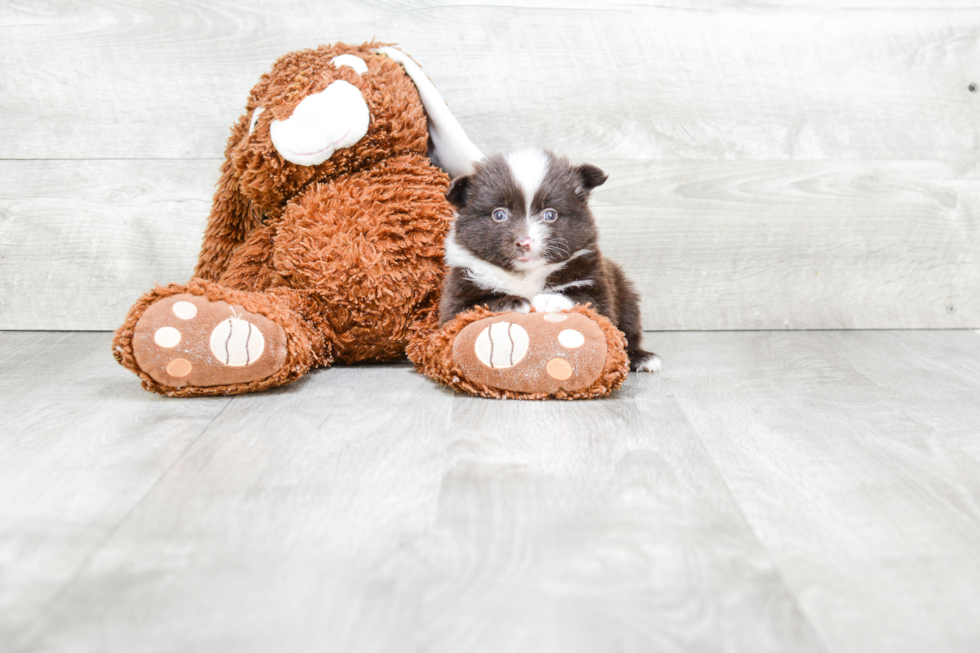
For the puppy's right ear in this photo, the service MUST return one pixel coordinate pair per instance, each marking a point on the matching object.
(590, 177)
(459, 191)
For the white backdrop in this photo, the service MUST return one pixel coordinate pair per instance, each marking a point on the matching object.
(772, 165)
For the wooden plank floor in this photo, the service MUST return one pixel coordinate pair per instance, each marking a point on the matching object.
(771, 491)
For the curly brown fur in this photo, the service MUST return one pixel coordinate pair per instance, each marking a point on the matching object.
(346, 254)
(256, 183)
(306, 345)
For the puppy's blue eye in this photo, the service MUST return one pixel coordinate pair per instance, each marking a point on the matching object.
(550, 215)
(499, 215)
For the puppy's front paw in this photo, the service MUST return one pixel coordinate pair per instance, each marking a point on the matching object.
(551, 302)
(519, 306)
(515, 304)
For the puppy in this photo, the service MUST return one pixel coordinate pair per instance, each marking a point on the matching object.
(524, 236)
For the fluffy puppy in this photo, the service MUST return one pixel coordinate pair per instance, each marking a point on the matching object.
(524, 236)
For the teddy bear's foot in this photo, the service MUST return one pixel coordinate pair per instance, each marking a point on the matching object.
(533, 352)
(185, 340)
(575, 354)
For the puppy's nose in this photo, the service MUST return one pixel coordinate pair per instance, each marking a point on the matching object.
(524, 242)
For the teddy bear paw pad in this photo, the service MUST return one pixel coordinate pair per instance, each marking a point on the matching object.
(186, 340)
(535, 352)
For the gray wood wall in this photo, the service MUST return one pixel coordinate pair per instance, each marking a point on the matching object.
(792, 164)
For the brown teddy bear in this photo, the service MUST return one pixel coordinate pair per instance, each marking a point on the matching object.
(324, 243)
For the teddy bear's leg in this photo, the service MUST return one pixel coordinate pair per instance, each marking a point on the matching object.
(204, 339)
(232, 219)
(575, 354)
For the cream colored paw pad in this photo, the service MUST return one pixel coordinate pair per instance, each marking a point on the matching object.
(187, 340)
(571, 339)
(184, 310)
(502, 345)
(167, 337)
(535, 352)
(237, 343)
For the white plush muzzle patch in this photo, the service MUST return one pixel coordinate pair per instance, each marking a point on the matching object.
(321, 124)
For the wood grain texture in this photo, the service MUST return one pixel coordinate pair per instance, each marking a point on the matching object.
(711, 245)
(797, 245)
(367, 509)
(120, 79)
(854, 457)
(81, 241)
(81, 445)
(774, 165)
(772, 491)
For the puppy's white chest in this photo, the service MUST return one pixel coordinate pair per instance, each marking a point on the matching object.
(490, 277)
(520, 284)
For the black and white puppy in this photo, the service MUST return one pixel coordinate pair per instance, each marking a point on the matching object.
(524, 236)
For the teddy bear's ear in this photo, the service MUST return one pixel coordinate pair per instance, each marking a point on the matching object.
(459, 191)
(590, 176)
(449, 146)
(230, 222)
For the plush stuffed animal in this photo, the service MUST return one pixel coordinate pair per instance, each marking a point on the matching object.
(324, 244)
(575, 354)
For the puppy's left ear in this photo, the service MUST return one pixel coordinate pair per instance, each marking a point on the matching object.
(459, 191)
(589, 177)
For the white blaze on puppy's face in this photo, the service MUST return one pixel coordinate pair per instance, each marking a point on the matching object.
(321, 124)
(528, 169)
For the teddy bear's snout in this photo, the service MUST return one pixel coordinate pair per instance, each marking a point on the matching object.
(321, 124)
